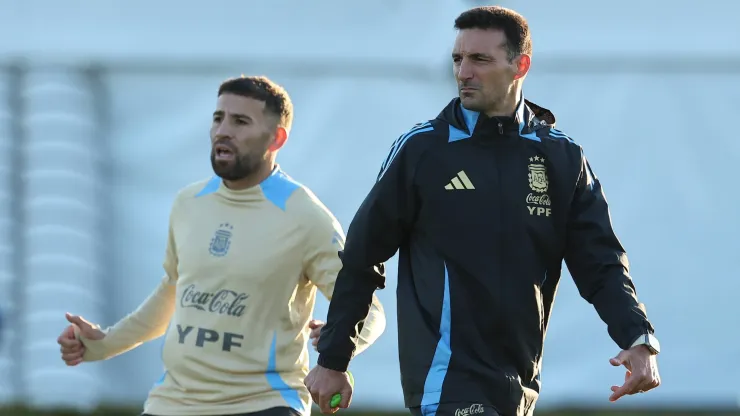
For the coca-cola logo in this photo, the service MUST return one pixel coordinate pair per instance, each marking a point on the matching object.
(222, 302)
(475, 409)
(543, 199)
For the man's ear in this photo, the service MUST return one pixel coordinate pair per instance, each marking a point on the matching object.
(281, 136)
(522, 63)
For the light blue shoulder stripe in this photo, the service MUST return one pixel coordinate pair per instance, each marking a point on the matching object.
(400, 142)
(557, 134)
(210, 187)
(278, 188)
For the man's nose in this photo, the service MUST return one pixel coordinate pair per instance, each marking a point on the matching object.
(464, 70)
(223, 131)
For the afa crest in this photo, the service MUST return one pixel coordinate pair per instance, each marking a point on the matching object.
(221, 240)
(538, 174)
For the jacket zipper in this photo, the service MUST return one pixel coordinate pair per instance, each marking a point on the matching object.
(500, 128)
(501, 308)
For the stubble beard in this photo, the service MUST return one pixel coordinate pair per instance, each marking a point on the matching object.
(240, 168)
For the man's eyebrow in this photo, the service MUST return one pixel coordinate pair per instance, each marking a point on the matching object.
(239, 115)
(221, 113)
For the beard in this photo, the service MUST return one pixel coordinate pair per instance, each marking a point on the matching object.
(242, 166)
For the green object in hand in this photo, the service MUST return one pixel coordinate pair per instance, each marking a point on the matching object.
(337, 398)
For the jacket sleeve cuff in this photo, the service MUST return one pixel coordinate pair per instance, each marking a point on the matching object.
(634, 334)
(333, 362)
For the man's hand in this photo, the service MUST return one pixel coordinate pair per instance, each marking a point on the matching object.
(315, 326)
(642, 372)
(323, 383)
(72, 348)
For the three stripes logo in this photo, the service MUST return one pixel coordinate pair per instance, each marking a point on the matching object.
(460, 181)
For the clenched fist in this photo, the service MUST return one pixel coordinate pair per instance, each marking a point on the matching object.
(72, 348)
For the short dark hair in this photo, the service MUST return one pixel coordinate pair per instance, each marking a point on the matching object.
(513, 24)
(276, 99)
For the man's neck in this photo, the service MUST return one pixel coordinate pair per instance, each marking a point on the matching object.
(507, 106)
(252, 180)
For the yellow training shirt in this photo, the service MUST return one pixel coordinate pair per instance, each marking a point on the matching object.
(242, 269)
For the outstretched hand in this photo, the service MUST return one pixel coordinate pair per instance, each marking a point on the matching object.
(642, 372)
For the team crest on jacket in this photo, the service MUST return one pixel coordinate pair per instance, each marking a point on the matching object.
(221, 240)
(538, 201)
(537, 174)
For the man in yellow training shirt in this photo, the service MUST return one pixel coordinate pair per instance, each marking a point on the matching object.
(246, 253)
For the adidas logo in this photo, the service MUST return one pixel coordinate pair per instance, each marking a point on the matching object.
(461, 181)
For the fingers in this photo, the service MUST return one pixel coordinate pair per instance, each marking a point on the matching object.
(315, 326)
(69, 332)
(325, 403)
(68, 343)
(72, 350)
(72, 354)
(315, 323)
(642, 374)
(317, 394)
(346, 397)
(629, 387)
(73, 363)
(323, 384)
(635, 383)
(314, 337)
(68, 338)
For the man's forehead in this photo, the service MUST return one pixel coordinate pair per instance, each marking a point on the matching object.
(233, 103)
(470, 41)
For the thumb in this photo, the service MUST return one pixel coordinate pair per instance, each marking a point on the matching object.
(85, 326)
(620, 359)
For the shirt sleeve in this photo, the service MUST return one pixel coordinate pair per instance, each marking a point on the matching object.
(598, 263)
(148, 321)
(322, 267)
(379, 227)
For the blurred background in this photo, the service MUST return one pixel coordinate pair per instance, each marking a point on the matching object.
(105, 110)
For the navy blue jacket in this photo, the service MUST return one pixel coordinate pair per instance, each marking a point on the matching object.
(483, 212)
